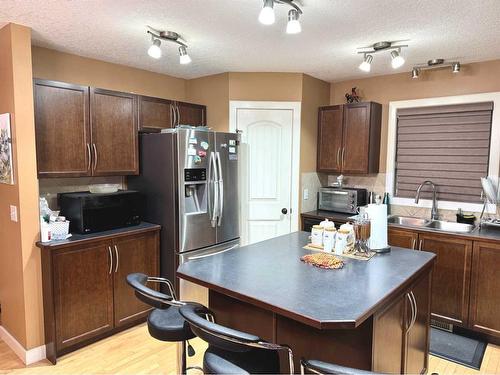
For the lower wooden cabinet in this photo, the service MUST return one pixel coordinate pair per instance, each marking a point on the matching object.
(485, 289)
(451, 276)
(401, 332)
(402, 238)
(85, 292)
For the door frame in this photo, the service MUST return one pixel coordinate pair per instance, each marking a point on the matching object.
(295, 107)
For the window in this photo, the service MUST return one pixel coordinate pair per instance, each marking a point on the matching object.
(447, 144)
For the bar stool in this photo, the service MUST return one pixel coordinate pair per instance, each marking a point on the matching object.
(165, 323)
(231, 351)
(319, 367)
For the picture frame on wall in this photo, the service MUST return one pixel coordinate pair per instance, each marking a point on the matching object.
(6, 164)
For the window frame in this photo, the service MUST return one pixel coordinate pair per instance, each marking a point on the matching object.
(494, 159)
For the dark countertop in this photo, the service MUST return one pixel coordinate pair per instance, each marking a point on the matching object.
(485, 234)
(270, 274)
(79, 238)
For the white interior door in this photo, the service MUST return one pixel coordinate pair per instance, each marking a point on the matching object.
(266, 172)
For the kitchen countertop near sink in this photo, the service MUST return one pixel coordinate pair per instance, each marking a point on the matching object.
(485, 234)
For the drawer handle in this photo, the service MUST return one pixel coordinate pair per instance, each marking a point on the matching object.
(420, 244)
(413, 246)
(110, 260)
(117, 259)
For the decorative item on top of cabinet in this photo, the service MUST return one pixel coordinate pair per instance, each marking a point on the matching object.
(83, 131)
(62, 128)
(349, 138)
(485, 291)
(353, 97)
(450, 277)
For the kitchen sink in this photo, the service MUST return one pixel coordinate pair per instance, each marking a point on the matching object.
(449, 226)
(408, 221)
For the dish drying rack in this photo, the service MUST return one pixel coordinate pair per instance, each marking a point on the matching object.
(490, 194)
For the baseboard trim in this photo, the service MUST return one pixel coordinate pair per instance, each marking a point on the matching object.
(27, 356)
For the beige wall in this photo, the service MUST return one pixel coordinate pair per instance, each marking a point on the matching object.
(60, 66)
(20, 274)
(265, 86)
(474, 78)
(212, 91)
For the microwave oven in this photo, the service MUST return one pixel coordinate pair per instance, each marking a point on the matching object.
(90, 212)
(345, 200)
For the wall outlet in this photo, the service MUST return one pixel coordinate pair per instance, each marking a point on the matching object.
(305, 194)
(13, 213)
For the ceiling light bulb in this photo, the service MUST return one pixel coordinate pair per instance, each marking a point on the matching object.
(415, 72)
(455, 67)
(366, 65)
(293, 26)
(397, 60)
(183, 56)
(155, 51)
(266, 15)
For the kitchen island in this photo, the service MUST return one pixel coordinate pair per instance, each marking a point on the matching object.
(369, 315)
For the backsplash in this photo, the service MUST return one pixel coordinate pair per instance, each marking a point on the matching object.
(50, 187)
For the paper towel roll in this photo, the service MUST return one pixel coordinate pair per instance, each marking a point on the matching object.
(377, 213)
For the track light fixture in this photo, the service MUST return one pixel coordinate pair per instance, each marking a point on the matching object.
(169, 36)
(434, 64)
(366, 65)
(267, 16)
(392, 47)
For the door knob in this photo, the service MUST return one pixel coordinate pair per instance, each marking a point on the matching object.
(284, 211)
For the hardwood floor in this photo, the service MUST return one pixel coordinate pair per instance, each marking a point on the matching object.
(135, 352)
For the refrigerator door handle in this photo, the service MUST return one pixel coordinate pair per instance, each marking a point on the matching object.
(213, 182)
(220, 188)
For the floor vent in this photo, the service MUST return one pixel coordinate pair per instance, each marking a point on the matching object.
(444, 326)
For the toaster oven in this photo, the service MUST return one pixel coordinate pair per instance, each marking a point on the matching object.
(345, 200)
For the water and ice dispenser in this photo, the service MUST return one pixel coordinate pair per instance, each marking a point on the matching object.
(195, 190)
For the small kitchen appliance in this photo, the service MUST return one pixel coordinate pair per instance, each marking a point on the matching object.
(89, 212)
(345, 200)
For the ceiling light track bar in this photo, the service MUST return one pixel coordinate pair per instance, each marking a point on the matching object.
(169, 36)
(290, 3)
(391, 48)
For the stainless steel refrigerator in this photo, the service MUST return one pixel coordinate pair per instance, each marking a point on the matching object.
(190, 180)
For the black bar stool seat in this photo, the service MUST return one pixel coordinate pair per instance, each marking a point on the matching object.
(169, 325)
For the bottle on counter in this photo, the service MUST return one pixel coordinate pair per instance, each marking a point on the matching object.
(386, 201)
(317, 236)
(329, 238)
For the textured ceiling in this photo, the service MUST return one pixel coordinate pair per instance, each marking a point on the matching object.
(224, 35)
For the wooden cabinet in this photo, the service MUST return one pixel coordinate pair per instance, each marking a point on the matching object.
(82, 131)
(330, 127)
(451, 276)
(349, 138)
(132, 254)
(406, 239)
(85, 293)
(62, 129)
(190, 114)
(401, 331)
(417, 333)
(485, 290)
(155, 113)
(114, 133)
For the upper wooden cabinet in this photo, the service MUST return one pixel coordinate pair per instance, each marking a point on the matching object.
(62, 127)
(82, 131)
(485, 291)
(114, 133)
(349, 138)
(155, 113)
(190, 114)
(451, 276)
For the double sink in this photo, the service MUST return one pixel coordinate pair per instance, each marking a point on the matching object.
(439, 225)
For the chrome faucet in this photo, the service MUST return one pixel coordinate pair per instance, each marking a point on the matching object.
(434, 213)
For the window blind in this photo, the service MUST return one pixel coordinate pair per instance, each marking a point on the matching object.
(449, 145)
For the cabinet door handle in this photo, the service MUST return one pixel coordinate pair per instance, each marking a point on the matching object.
(89, 157)
(117, 258)
(408, 324)
(95, 155)
(343, 157)
(172, 114)
(178, 114)
(338, 158)
(415, 309)
(414, 244)
(420, 243)
(110, 260)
